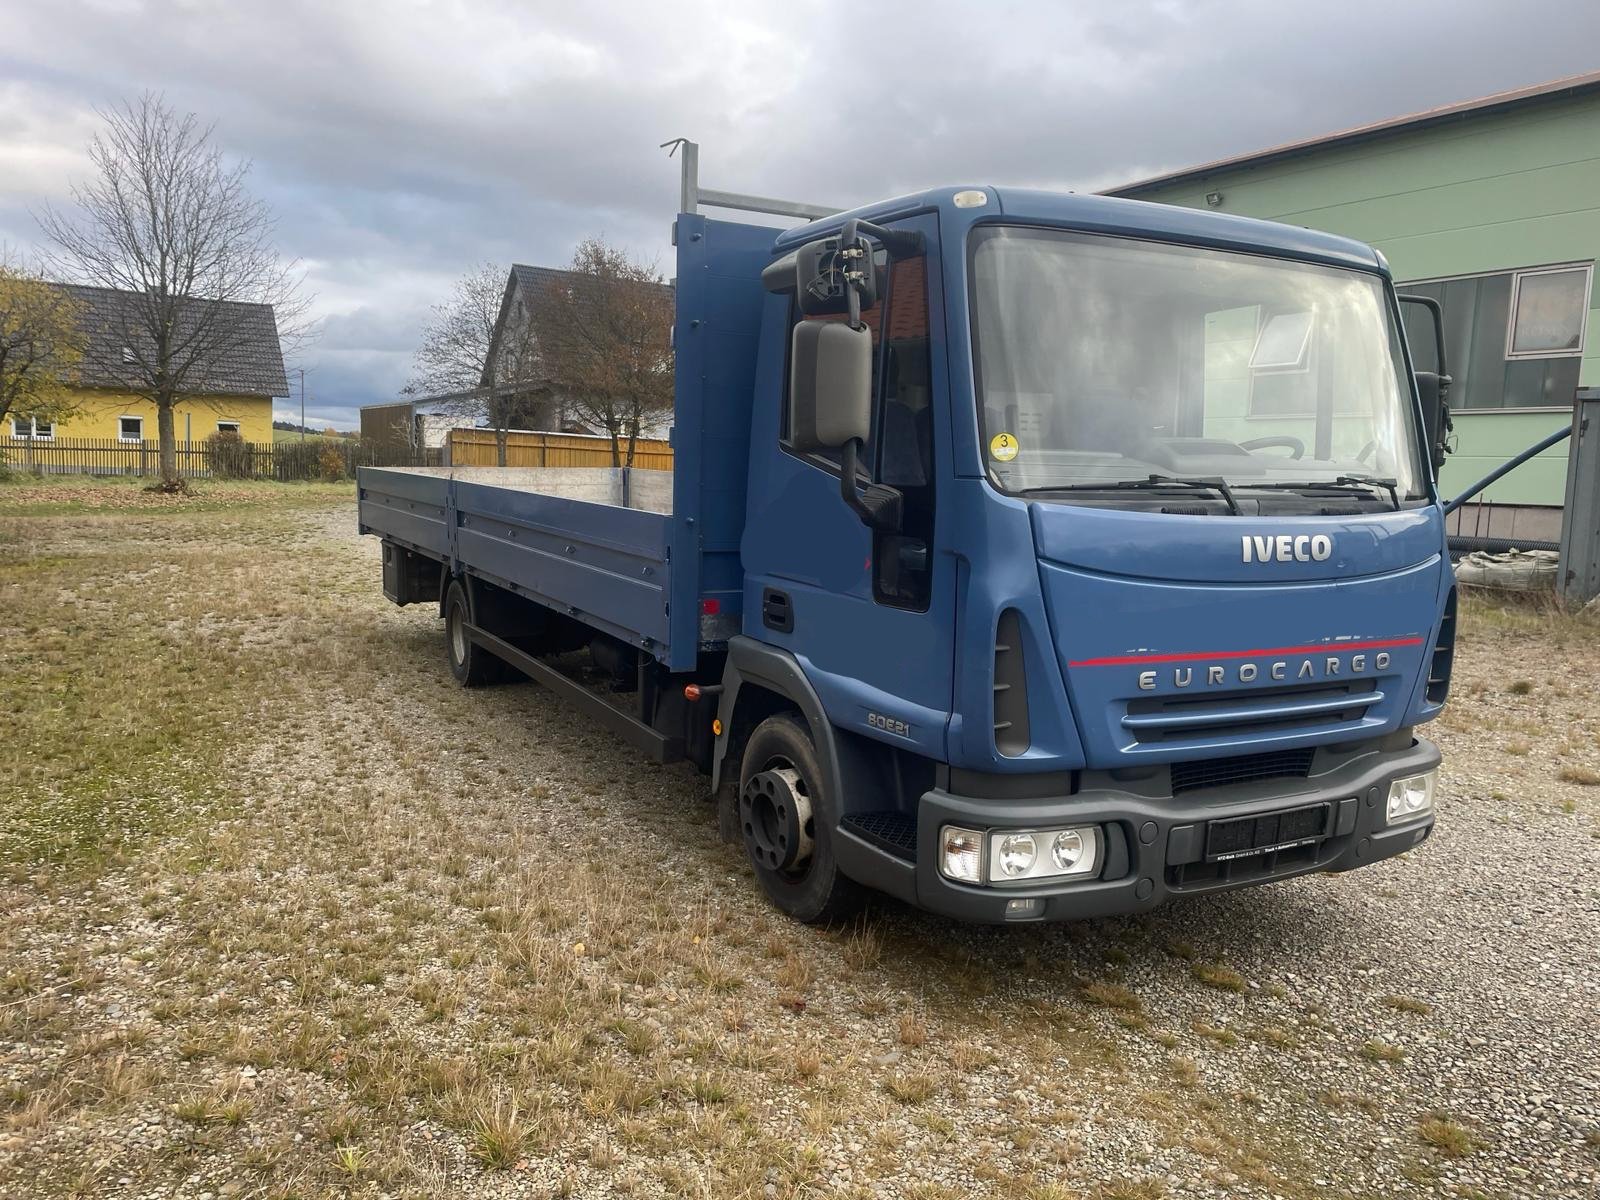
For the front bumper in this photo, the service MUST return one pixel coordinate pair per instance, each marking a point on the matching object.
(1155, 845)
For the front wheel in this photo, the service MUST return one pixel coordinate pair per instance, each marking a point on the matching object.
(470, 663)
(785, 817)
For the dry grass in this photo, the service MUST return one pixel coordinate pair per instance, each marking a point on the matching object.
(1112, 995)
(1379, 1051)
(1408, 1004)
(1224, 979)
(1446, 1136)
(325, 926)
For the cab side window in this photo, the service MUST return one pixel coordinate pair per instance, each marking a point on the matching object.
(904, 450)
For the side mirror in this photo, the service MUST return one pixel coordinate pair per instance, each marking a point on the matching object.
(1433, 387)
(1435, 414)
(830, 385)
(822, 277)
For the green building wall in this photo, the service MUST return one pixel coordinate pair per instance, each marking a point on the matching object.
(1484, 193)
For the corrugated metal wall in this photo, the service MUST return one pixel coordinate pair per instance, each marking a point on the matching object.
(476, 448)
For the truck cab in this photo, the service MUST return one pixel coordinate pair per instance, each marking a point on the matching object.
(1138, 586)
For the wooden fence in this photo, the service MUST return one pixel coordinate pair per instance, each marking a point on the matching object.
(525, 448)
(295, 461)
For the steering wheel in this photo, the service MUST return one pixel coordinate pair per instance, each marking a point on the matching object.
(1288, 441)
(1366, 451)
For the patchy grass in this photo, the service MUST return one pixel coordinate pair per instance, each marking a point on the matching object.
(1582, 776)
(1407, 1004)
(25, 495)
(1112, 995)
(1224, 979)
(510, 958)
(1446, 1136)
(1378, 1051)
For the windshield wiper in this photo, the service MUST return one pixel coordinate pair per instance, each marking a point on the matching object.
(1340, 483)
(1213, 483)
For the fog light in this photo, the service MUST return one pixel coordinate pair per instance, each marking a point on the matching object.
(961, 854)
(1017, 854)
(1411, 797)
(1017, 910)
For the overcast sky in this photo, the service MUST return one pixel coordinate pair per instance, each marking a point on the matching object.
(402, 142)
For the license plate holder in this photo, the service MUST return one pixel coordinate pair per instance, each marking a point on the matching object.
(1267, 833)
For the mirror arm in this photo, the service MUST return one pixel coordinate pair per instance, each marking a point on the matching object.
(900, 243)
(878, 506)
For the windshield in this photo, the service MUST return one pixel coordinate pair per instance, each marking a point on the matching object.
(1104, 361)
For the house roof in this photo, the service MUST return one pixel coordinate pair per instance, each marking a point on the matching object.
(528, 282)
(248, 363)
(1555, 89)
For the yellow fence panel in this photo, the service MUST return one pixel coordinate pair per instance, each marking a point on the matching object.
(477, 448)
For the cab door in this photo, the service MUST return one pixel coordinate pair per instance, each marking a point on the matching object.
(870, 616)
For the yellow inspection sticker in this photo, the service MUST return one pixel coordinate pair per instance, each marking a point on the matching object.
(1003, 447)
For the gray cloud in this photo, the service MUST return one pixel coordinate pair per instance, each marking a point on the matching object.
(401, 146)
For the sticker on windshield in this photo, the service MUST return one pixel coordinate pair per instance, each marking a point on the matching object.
(1003, 447)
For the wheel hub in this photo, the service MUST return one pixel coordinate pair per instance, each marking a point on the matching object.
(775, 814)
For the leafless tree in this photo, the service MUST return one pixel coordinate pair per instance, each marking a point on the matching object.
(454, 358)
(455, 345)
(604, 341)
(168, 220)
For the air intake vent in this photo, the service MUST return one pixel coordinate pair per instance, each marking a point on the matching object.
(1444, 651)
(1011, 734)
(1243, 768)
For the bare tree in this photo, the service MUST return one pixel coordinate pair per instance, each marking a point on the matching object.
(604, 341)
(170, 222)
(455, 345)
(487, 381)
(41, 345)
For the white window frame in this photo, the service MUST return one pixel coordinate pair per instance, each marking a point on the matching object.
(32, 434)
(229, 427)
(1516, 298)
(123, 437)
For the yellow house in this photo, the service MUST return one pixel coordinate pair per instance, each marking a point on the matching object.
(234, 370)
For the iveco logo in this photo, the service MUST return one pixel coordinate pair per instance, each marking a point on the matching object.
(1287, 548)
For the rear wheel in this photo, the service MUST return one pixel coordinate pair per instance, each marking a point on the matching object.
(470, 663)
(785, 817)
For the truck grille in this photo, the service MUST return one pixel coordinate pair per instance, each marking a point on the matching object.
(1240, 713)
(1242, 768)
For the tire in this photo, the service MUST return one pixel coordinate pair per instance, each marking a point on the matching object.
(814, 892)
(470, 663)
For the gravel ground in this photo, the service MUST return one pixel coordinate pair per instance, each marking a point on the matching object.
(387, 937)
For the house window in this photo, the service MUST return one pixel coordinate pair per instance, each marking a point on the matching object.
(1515, 338)
(130, 429)
(1548, 313)
(227, 427)
(32, 427)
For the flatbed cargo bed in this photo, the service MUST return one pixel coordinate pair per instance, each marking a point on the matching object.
(591, 543)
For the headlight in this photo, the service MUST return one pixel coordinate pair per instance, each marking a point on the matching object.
(1018, 856)
(1041, 854)
(1066, 849)
(961, 854)
(1411, 797)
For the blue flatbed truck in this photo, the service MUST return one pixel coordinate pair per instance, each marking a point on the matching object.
(1026, 556)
